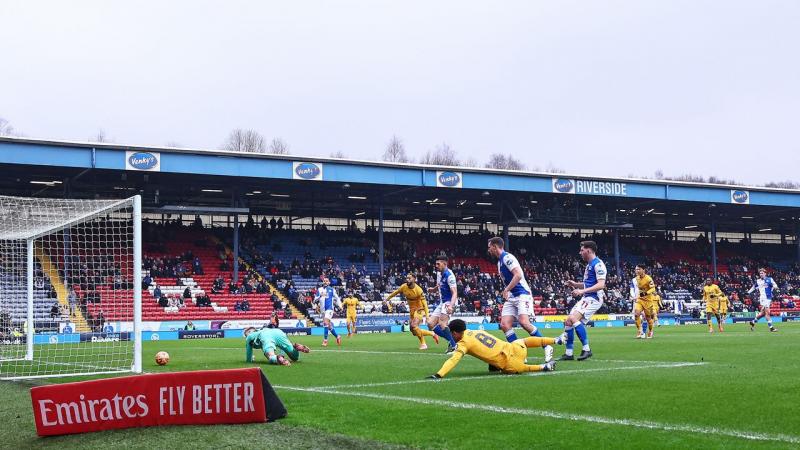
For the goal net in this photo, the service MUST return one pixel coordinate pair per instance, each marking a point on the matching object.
(70, 287)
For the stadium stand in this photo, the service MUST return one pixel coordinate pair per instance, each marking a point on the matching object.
(188, 273)
(347, 258)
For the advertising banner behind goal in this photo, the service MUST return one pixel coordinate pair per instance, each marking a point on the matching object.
(182, 398)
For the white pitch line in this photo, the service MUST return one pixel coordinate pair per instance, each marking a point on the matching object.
(331, 350)
(502, 376)
(424, 353)
(692, 429)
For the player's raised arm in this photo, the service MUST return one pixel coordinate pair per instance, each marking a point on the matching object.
(394, 293)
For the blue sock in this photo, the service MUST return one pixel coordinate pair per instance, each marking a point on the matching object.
(644, 326)
(333, 332)
(570, 339)
(511, 336)
(449, 336)
(445, 333)
(325, 333)
(580, 330)
(536, 332)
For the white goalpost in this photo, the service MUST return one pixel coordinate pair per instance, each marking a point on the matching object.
(70, 287)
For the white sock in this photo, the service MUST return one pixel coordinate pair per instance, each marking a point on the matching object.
(586, 347)
(568, 352)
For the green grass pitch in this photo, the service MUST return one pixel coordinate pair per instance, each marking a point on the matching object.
(685, 388)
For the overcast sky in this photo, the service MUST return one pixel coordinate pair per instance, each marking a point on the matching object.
(607, 87)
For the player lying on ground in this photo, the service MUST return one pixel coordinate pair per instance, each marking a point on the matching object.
(766, 288)
(417, 308)
(518, 301)
(508, 357)
(270, 340)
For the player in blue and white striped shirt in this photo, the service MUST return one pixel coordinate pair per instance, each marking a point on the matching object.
(766, 288)
(517, 296)
(591, 293)
(328, 299)
(448, 299)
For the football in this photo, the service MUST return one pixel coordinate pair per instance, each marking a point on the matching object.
(162, 358)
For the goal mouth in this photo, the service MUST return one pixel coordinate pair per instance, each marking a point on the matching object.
(70, 287)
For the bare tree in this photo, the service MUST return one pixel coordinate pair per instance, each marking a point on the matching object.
(470, 162)
(6, 129)
(693, 178)
(249, 141)
(101, 136)
(717, 180)
(395, 151)
(338, 154)
(278, 146)
(442, 155)
(783, 184)
(501, 161)
(553, 169)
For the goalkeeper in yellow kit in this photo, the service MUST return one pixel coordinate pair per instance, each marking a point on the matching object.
(508, 357)
(417, 308)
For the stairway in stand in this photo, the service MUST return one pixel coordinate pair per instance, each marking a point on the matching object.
(51, 271)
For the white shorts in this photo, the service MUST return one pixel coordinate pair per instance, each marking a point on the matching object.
(441, 309)
(765, 303)
(587, 306)
(328, 314)
(519, 306)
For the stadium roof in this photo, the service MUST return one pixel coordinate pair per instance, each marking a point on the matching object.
(329, 187)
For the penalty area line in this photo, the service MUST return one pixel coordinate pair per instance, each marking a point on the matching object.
(499, 376)
(332, 351)
(636, 423)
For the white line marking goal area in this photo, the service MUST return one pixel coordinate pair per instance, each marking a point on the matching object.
(499, 376)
